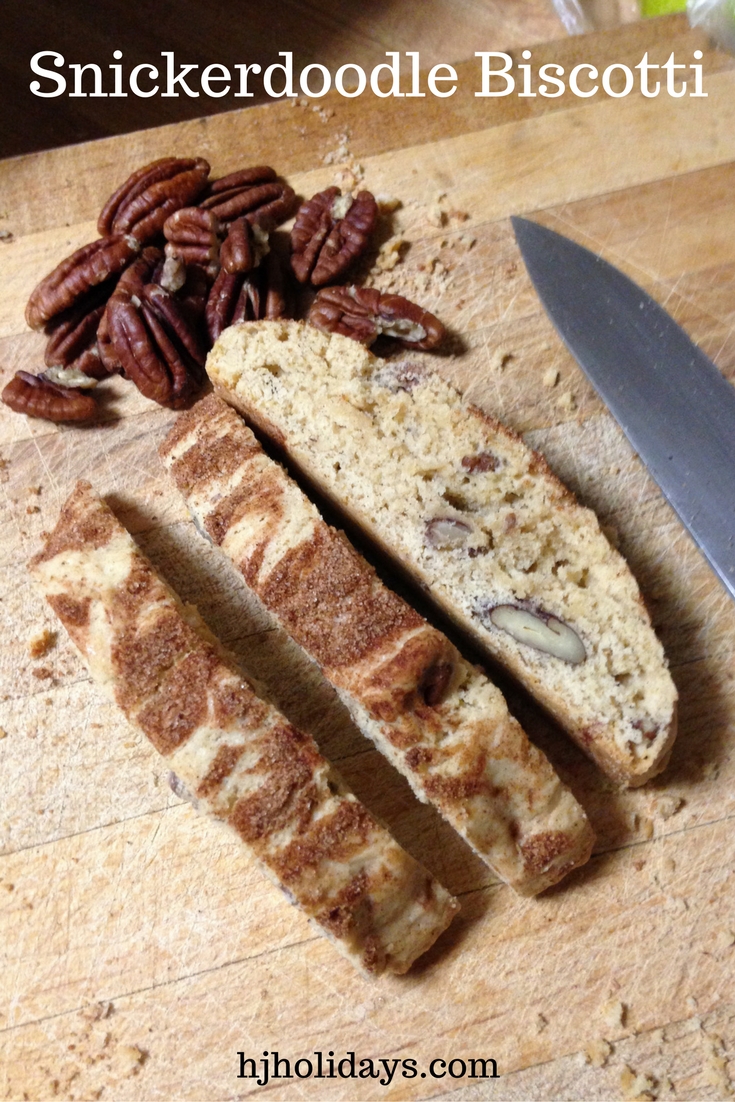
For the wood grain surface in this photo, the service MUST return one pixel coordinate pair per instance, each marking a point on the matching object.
(141, 949)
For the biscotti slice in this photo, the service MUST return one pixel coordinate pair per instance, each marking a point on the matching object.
(241, 758)
(435, 717)
(477, 517)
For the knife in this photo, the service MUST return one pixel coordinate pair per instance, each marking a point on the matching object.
(670, 400)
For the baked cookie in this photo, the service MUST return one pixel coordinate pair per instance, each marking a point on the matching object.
(244, 762)
(477, 518)
(439, 720)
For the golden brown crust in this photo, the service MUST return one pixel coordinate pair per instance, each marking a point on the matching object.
(243, 760)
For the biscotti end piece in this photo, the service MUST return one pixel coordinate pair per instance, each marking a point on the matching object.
(241, 758)
(437, 718)
(477, 518)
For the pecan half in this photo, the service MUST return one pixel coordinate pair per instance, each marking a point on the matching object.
(39, 397)
(250, 296)
(152, 193)
(255, 193)
(194, 236)
(133, 280)
(331, 230)
(540, 630)
(244, 247)
(73, 337)
(364, 314)
(75, 276)
(446, 533)
(157, 344)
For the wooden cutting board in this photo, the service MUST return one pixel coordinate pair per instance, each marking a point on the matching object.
(141, 948)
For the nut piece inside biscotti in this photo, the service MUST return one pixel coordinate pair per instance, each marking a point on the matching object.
(438, 719)
(232, 749)
(475, 516)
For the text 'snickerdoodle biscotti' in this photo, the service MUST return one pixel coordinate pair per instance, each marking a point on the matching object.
(242, 759)
(438, 719)
(477, 517)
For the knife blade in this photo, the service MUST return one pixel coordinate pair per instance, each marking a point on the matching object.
(672, 403)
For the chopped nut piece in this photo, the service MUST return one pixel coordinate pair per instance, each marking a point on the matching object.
(567, 401)
(550, 377)
(541, 631)
(446, 533)
(41, 644)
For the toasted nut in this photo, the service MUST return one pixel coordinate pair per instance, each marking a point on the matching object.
(255, 193)
(249, 296)
(446, 533)
(541, 631)
(77, 275)
(152, 193)
(39, 397)
(363, 314)
(483, 461)
(436, 683)
(331, 230)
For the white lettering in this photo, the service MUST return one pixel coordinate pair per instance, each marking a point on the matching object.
(58, 60)
(545, 74)
(393, 69)
(326, 81)
(209, 74)
(607, 83)
(287, 70)
(573, 81)
(339, 81)
(434, 76)
(244, 70)
(135, 88)
(172, 80)
(487, 72)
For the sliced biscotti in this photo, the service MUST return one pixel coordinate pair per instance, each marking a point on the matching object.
(242, 759)
(438, 719)
(475, 516)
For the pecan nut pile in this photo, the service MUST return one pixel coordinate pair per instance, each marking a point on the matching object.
(182, 257)
(39, 397)
(256, 193)
(330, 232)
(364, 314)
(150, 194)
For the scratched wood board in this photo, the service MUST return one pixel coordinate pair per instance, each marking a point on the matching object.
(141, 947)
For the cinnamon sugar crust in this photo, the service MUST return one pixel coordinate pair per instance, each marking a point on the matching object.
(246, 764)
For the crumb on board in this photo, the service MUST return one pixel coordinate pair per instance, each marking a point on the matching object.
(567, 401)
(637, 1087)
(597, 1052)
(500, 359)
(390, 254)
(551, 376)
(39, 645)
(387, 204)
(3, 733)
(6, 236)
(614, 1013)
(664, 806)
(129, 1059)
(541, 1023)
